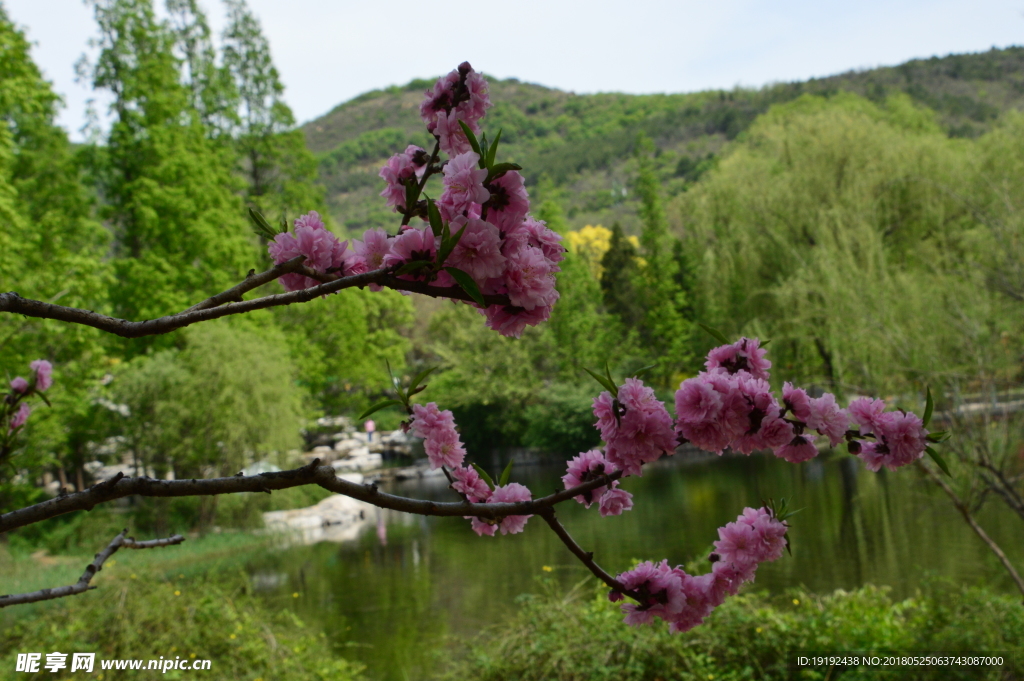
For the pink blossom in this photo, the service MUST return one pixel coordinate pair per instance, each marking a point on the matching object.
(428, 419)
(905, 436)
(477, 100)
(370, 252)
(875, 455)
(323, 252)
(469, 483)
(643, 431)
(44, 373)
(450, 135)
(530, 279)
(828, 418)
(660, 589)
(711, 436)
(738, 543)
(743, 355)
(439, 98)
(412, 245)
(800, 449)
(534, 233)
(635, 426)
(583, 468)
(697, 401)
(399, 170)
(19, 418)
(444, 448)
(796, 401)
(511, 492)
(479, 249)
(867, 413)
(509, 202)
(19, 385)
(615, 501)
(463, 185)
(482, 526)
(509, 320)
(775, 432)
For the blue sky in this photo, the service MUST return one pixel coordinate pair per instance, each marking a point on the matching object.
(329, 51)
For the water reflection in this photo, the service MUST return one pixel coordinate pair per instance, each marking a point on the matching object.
(391, 604)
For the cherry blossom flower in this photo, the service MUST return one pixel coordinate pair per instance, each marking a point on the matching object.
(615, 501)
(585, 467)
(798, 450)
(19, 418)
(511, 492)
(743, 355)
(19, 385)
(469, 483)
(463, 185)
(479, 249)
(511, 321)
(323, 252)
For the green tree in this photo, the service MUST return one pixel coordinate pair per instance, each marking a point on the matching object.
(178, 224)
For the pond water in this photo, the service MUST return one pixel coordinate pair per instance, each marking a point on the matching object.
(392, 606)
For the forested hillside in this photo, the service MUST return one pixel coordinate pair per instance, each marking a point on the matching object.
(582, 143)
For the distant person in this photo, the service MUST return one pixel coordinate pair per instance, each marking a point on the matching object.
(370, 428)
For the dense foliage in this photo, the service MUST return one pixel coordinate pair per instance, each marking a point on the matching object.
(752, 636)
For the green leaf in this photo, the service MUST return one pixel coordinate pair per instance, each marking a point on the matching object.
(467, 283)
(643, 370)
(715, 333)
(413, 266)
(611, 381)
(605, 383)
(506, 474)
(448, 245)
(500, 169)
(938, 460)
(939, 436)
(412, 195)
(928, 407)
(472, 140)
(483, 150)
(434, 215)
(418, 378)
(263, 227)
(493, 150)
(383, 404)
(483, 475)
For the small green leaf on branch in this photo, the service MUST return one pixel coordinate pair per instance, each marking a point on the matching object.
(448, 244)
(383, 404)
(418, 378)
(715, 333)
(472, 140)
(467, 283)
(493, 150)
(938, 461)
(434, 215)
(605, 383)
(939, 436)
(643, 370)
(500, 169)
(928, 407)
(411, 267)
(483, 476)
(505, 474)
(263, 227)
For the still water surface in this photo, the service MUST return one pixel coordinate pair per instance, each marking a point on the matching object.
(392, 606)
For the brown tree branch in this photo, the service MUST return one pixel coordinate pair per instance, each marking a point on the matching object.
(313, 474)
(585, 557)
(978, 530)
(83, 583)
(234, 294)
(216, 307)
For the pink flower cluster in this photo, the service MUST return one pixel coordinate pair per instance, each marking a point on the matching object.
(440, 439)
(635, 426)
(901, 437)
(512, 524)
(324, 253)
(731, 405)
(459, 96)
(399, 171)
(684, 600)
(590, 466)
(41, 380)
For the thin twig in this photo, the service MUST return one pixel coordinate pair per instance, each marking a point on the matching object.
(15, 304)
(234, 294)
(83, 583)
(586, 557)
(978, 530)
(313, 474)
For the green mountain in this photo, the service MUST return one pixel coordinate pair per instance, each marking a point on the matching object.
(583, 144)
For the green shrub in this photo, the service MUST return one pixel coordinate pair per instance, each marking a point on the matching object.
(752, 636)
(137, 614)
